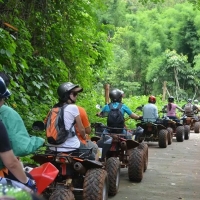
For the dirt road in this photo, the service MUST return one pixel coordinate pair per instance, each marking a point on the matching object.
(173, 173)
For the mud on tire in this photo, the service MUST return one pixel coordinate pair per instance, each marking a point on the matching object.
(145, 149)
(95, 186)
(62, 194)
(187, 132)
(196, 127)
(180, 133)
(113, 169)
(163, 138)
(170, 135)
(136, 165)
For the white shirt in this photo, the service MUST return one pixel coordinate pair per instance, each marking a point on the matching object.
(70, 112)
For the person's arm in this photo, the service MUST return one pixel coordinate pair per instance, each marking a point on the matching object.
(164, 109)
(88, 130)
(156, 112)
(13, 165)
(85, 120)
(179, 108)
(80, 126)
(134, 116)
(130, 113)
(104, 111)
(8, 158)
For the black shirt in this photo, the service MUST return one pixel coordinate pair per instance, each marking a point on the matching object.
(4, 140)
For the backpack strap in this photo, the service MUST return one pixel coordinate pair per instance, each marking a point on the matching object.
(119, 106)
(62, 113)
(110, 106)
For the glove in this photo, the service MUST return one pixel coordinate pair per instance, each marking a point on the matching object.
(31, 184)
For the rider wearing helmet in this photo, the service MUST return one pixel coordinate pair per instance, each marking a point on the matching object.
(196, 103)
(171, 108)
(150, 110)
(67, 94)
(190, 109)
(116, 98)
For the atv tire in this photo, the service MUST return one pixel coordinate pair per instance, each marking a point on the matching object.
(196, 127)
(95, 186)
(113, 167)
(62, 194)
(187, 132)
(170, 135)
(136, 165)
(145, 149)
(180, 133)
(163, 138)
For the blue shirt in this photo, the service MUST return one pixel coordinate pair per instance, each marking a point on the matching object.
(150, 112)
(124, 109)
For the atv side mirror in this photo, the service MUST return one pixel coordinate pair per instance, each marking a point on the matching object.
(38, 126)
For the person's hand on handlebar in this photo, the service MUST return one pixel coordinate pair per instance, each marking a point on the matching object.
(140, 118)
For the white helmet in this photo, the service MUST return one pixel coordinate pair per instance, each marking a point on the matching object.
(196, 101)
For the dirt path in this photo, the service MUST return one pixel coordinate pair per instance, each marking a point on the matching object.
(173, 173)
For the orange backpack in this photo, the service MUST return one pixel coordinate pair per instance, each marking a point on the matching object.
(55, 128)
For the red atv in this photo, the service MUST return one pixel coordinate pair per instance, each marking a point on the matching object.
(76, 174)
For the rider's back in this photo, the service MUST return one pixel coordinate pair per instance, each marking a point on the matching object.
(189, 110)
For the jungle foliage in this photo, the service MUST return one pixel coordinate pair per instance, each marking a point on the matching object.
(134, 45)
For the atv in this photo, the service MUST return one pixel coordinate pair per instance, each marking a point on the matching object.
(192, 123)
(77, 174)
(155, 132)
(176, 129)
(119, 152)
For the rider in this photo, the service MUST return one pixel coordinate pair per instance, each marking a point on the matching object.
(116, 98)
(171, 108)
(67, 93)
(190, 109)
(150, 110)
(196, 103)
(10, 167)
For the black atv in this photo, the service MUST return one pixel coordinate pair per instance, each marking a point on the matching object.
(154, 132)
(176, 129)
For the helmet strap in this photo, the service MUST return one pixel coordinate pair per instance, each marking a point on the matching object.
(71, 100)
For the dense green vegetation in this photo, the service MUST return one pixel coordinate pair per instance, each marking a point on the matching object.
(133, 45)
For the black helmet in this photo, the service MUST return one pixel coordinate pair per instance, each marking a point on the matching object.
(115, 95)
(65, 88)
(4, 92)
(171, 99)
(152, 99)
(189, 100)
